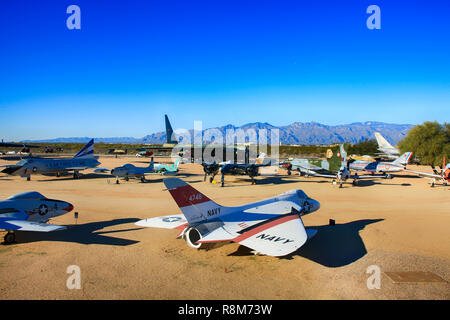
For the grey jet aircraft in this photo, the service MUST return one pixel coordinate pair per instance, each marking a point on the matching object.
(84, 159)
(128, 171)
(397, 165)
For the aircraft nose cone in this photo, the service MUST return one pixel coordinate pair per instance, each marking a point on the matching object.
(11, 170)
(315, 205)
(68, 208)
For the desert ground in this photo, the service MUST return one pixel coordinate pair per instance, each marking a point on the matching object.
(399, 225)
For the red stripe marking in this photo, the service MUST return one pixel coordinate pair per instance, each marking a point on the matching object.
(263, 227)
(187, 196)
(181, 228)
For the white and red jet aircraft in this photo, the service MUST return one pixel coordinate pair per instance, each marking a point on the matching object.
(272, 227)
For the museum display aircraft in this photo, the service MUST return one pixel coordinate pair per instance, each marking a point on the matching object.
(272, 227)
(29, 211)
(84, 159)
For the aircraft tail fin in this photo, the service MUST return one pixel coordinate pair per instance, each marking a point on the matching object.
(260, 159)
(196, 207)
(343, 154)
(169, 131)
(176, 163)
(87, 151)
(382, 142)
(403, 159)
(151, 164)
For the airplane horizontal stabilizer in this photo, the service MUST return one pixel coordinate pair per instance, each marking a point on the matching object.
(276, 237)
(24, 225)
(166, 222)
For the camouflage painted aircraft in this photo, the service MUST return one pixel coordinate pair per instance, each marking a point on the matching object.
(84, 159)
(332, 163)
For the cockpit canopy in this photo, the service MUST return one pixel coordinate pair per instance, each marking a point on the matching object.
(23, 162)
(30, 195)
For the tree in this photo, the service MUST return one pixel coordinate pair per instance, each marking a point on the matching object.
(429, 141)
(365, 147)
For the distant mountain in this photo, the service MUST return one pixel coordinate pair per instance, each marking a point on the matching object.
(86, 140)
(306, 133)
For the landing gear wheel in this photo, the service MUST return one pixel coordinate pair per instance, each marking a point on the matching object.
(126, 178)
(58, 175)
(117, 181)
(340, 185)
(10, 237)
(28, 178)
(211, 180)
(143, 179)
(289, 172)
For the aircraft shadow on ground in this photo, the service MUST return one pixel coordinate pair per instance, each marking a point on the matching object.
(83, 234)
(86, 176)
(242, 181)
(383, 182)
(332, 246)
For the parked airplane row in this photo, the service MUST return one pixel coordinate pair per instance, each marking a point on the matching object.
(336, 167)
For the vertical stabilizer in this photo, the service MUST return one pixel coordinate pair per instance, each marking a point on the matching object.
(170, 137)
(87, 151)
(196, 207)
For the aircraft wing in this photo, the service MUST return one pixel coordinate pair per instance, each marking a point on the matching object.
(78, 168)
(275, 237)
(321, 175)
(276, 207)
(23, 225)
(425, 174)
(367, 177)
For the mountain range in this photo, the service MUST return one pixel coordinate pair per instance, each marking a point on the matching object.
(303, 133)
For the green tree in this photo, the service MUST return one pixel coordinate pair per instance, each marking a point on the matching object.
(429, 141)
(365, 147)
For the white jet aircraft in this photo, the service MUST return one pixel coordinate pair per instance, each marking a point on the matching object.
(272, 227)
(387, 150)
(28, 211)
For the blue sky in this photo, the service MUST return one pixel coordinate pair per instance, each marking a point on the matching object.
(221, 62)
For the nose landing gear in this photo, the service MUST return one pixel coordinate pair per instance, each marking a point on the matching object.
(10, 237)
